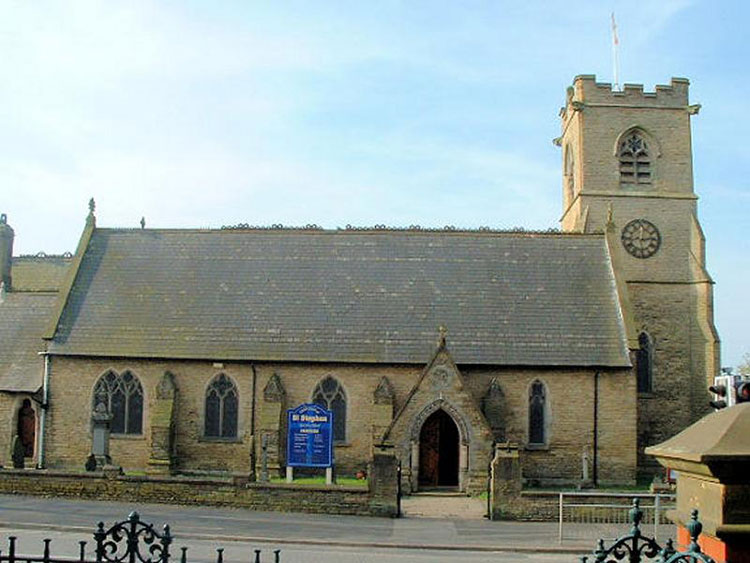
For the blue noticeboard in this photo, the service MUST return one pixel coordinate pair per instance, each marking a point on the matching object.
(310, 436)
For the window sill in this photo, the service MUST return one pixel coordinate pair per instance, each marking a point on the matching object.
(220, 440)
(127, 436)
(537, 447)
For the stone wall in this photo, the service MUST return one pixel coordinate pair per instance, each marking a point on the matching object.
(204, 491)
(679, 396)
(8, 410)
(544, 506)
(569, 421)
(71, 390)
(359, 382)
(570, 426)
(10, 404)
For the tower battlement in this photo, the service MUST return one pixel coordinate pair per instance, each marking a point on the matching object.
(587, 90)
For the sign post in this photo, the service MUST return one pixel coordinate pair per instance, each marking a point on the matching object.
(309, 440)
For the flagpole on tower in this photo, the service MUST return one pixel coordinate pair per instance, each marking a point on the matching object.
(615, 54)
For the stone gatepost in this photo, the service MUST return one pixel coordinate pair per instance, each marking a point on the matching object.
(162, 458)
(100, 420)
(712, 458)
(505, 481)
(384, 482)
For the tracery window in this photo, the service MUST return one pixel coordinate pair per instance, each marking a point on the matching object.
(537, 414)
(221, 408)
(122, 394)
(644, 363)
(635, 160)
(330, 395)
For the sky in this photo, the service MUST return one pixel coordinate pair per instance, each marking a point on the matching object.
(432, 113)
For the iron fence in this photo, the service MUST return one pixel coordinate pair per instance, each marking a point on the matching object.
(127, 541)
(610, 509)
(637, 548)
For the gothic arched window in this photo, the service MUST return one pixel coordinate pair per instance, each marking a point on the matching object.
(537, 414)
(330, 395)
(635, 160)
(569, 175)
(122, 394)
(221, 408)
(644, 361)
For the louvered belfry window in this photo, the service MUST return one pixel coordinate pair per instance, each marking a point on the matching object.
(537, 407)
(330, 395)
(635, 160)
(221, 408)
(122, 394)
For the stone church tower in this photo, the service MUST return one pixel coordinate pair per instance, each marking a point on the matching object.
(627, 171)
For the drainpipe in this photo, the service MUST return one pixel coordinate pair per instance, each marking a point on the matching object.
(41, 458)
(252, 427)
(595, 471)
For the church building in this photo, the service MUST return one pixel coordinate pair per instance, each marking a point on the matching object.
(580, 347)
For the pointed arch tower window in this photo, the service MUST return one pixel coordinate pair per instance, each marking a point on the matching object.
(221, 408)
(330, 395)
(537, 414)
(644, 363)
(122, 394)
(635, 160)
(569, 175)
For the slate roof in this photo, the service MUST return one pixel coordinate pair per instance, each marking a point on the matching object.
(23, 317)
(39, 273)
(345, 296)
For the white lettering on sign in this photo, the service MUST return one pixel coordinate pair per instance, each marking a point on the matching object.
(313, 418)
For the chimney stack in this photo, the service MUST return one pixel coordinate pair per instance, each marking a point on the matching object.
(6, 250)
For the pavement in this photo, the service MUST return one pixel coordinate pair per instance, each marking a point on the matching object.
(436, 505)
(449, 523)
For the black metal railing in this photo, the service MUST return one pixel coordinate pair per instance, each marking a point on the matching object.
(127, 541)
(637, 548)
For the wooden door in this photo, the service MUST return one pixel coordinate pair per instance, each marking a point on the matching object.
(429, 452)
(27, 428)
(438, 451)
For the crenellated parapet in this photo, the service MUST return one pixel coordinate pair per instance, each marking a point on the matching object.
(587, 91)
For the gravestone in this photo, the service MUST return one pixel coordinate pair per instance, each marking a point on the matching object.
(17, 453)
(101, 421)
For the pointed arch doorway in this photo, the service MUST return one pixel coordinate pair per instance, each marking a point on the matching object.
(439, 447)
(26, 428)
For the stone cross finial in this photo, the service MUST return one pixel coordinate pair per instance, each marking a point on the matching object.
(3, 219)
(91, 219)
(442, 333)
(143, 222)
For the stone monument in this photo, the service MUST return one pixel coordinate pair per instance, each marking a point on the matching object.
(101, 420)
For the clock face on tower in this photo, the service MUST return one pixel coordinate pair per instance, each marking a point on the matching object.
(641, 238)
